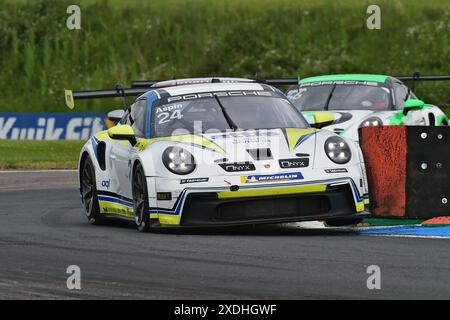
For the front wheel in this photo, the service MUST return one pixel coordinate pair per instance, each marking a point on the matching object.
(140, 199)
(89, 192)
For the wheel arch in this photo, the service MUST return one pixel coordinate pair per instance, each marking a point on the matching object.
(148, 160)
(83, 157)
(86, 152)
(135, 164)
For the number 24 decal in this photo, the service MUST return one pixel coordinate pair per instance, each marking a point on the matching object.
(165, 117)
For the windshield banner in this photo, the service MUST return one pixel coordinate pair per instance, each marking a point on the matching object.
(51, 126)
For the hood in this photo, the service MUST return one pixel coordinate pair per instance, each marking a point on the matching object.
(263, 148)
(240, 145)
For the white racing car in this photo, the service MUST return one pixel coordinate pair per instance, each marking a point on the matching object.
(344, 103)
(217, 152)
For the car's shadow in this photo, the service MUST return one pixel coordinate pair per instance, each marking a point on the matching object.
(286, 229)
(258, 230)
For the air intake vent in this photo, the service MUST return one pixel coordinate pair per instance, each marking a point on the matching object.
(260, 154)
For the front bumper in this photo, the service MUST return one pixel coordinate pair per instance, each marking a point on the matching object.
(208, 209)
(275, 204)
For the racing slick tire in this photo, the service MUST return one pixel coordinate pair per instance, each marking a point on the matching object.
(140, 199)
(89, 192)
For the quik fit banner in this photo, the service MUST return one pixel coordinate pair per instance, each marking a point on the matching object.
(50, 126)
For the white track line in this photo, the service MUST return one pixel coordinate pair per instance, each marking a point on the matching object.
(404, 236)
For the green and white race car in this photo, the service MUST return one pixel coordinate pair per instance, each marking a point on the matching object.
(344, 103)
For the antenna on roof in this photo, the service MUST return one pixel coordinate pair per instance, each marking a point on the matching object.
(121, 90)
(416, 76)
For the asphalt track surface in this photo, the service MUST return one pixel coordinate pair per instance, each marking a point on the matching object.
(43, 231)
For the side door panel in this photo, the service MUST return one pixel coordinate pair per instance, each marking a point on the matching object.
(120, 159)
(122, 151)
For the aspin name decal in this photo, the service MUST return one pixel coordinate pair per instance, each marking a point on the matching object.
(337, 170)
(294, 163)
(235, 167)
(271, 177)
(194, 180)
(169, 108)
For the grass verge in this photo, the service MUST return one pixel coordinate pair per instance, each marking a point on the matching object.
(161, 39)
(22, 154)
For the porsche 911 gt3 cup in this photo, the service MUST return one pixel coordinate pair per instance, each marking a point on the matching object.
(344, 103)
(219, 154)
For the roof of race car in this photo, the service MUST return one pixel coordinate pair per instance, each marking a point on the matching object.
(197, 81)
(346, 77)
(208, 87)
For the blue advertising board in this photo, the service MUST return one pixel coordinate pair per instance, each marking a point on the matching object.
(50, 126)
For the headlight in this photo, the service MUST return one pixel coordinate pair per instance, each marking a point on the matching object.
(178, 160)
(371, 122)
(337, 150)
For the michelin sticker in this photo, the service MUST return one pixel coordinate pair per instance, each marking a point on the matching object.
(271, 177)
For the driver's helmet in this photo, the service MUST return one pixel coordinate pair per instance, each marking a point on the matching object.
(377, 98)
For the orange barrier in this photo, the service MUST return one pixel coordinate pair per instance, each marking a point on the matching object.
(408, 170)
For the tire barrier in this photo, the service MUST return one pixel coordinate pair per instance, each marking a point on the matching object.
(408, 170)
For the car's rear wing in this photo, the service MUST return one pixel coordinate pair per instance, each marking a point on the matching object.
(416, 77)
(155, 84)
(292, 81)
(139, 87)
(118, 92)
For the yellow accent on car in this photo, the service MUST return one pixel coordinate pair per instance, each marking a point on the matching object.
(102, 135)
(120, 131)
(142, 144)
(294, 135)
(118, 209)
(115, 209)
(69, 99)
(192, 139)
(270, 192)
(359, 206)
(366, 201)
(169, 220)
(323, 117)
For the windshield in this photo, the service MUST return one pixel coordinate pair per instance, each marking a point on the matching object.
(340, 97)
(221, 111)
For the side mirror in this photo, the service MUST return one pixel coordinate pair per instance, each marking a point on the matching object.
(116, 115)
(323, 119)
(412, 104)
(123, 132)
